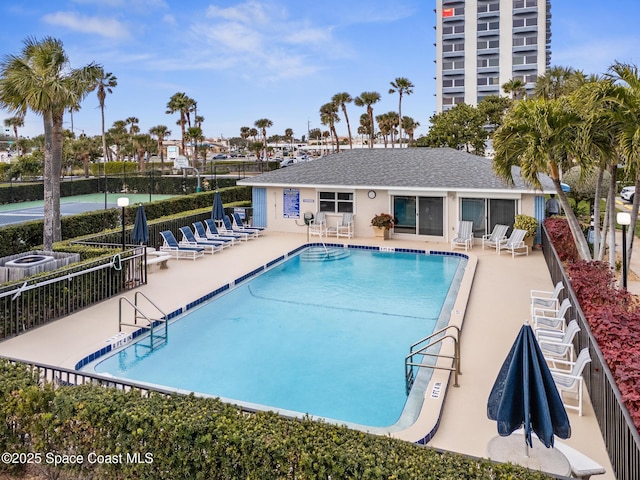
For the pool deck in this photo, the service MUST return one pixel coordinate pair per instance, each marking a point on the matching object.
(497, 306)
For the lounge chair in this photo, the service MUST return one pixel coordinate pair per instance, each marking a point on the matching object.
(571, 380)
(178, 251)
(238, 221)
(189, 240)
(227, 227)
(200, 232)
(239, 226)
(515, 243)
(464, 237)
(555, 344)
(318, 225)
(543, 299)
(552, 319)
(497, 236)
(212, 231)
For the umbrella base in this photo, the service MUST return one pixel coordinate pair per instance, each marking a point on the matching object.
(514, 450)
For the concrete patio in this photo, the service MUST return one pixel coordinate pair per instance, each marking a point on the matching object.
(497, 307)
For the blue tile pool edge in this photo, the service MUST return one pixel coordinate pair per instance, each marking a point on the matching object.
(120, 340)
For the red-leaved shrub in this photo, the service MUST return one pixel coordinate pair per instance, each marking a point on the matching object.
(562, 238)
(614, 319)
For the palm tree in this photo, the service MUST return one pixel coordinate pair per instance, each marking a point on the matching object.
(540, 136)
(288, 134)
(558, 81)
(409, 125)
(516, 87)
(403, 86)
(367, 99)
(263, 124)
(40, 80)
(106, 83)
(341, 100)
(14, 123)
(627, 119)
(245, 132)
(329, 117)
(133, 125)
(181, 103)
(160, 132)
(253, 133)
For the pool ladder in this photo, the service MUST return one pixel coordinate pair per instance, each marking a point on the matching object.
(420, 348)
(155, 325)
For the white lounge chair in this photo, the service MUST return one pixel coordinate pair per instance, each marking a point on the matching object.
(515, 243)
(571, 381)
(546, 300)
(497, 236)
(239, 225)
(212, 231)
(552, 319)
(558, 345)
(318, 225)
(200, 232)
(189, 240)
(464, 236)
(228, 228)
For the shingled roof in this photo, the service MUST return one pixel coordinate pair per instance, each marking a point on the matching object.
(407, 168)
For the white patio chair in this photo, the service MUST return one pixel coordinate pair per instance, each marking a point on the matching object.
(558, 345)
(345, 226)
(515, 243)
(543, 299)
(552, 319)
(571, 381)
(498, 235)
(464, 237)
(318, 225)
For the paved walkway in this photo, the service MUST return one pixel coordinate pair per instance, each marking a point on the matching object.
(497, 307)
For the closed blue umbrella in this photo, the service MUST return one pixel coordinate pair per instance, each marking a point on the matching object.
(217, 214)
(525, 394)
(140, 233)
(565, 187)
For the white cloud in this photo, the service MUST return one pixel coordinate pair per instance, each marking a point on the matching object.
(106, 27)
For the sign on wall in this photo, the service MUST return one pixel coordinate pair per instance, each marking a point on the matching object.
(291, 203)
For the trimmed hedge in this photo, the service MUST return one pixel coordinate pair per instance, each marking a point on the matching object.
(180, 437)
(27, 236)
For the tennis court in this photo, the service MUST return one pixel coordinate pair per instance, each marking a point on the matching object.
(25, 211)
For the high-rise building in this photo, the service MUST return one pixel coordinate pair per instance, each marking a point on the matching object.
(483, 44)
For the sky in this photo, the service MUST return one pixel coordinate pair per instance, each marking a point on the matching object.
(277, 59)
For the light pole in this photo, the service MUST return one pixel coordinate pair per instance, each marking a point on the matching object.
(624, 219)
(123, 202)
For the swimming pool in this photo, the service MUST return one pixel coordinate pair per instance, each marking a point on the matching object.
(323, 338)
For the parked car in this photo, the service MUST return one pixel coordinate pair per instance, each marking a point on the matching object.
(627, 193)
(220, 156)
(287, 162)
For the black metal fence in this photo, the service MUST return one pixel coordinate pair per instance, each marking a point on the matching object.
(620, 435)
(42, 299)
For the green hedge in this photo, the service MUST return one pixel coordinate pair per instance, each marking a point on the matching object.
(182, 437)
(27, 236)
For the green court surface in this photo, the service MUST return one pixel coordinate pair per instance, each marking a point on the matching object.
(25, 211)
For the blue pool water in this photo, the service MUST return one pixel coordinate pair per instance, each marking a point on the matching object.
(323, 338)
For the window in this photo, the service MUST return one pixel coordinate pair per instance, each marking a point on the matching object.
(336, 202)
(453, 65)
(484, 26)
(450, 82)
(488, 62)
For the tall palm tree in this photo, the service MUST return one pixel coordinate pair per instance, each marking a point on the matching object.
(515, 87)
(627, 118)
(288, 134)
(160, 132)
(180, 103)
(341, 100)
(106, 83)
(329, 117)
(403, 86)
(14, 123)
(367, 99)
(540, 136)
(133, 125)
(263, 124)
(41, 80)
(253, 133)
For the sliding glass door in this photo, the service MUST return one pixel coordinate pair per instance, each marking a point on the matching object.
(485, 213)
(419, 215)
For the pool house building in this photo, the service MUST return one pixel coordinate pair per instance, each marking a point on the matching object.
(427, 190)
